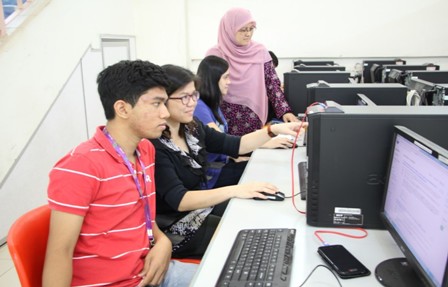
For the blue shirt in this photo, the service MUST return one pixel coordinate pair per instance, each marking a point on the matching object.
(205, 115)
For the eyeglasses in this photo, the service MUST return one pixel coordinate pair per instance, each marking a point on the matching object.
(247, 30)
(186, 98)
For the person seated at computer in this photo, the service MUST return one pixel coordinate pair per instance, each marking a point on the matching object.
(254, 82)
(188, 210)
(213, 73)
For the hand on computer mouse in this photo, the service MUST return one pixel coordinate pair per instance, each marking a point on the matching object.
(279, 142)
(278, 196)
(250, 189)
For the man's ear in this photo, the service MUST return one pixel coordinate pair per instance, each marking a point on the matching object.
(122, 109)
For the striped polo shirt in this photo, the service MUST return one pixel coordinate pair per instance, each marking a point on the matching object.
(93, 181)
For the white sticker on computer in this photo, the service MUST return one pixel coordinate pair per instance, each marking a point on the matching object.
(348, 216)
(347, 210)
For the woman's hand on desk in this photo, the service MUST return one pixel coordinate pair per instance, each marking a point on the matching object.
(289, 129)
(290, 117)
(253, 189)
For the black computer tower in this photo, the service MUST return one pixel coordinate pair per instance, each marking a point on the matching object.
(347, 159)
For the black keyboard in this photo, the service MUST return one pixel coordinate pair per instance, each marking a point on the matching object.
(303, 179)
(259, 257)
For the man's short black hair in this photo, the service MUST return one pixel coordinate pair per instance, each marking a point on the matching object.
(127, 81)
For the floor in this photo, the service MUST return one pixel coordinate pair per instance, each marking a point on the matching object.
(8, 275)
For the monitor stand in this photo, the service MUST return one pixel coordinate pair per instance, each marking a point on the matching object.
(396, 272)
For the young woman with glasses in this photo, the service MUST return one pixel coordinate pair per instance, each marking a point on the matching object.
(188, 210)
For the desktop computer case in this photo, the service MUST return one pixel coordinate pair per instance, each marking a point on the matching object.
(347, 160)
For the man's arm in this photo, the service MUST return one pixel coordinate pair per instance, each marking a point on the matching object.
(64, 233)
(157, 260)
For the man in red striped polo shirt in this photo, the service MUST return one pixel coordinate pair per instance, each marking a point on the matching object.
(102, 193)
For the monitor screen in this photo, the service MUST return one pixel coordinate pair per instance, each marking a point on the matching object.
(415, 208)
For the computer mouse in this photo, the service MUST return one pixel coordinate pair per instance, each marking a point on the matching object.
(296, 146)
(278, 196)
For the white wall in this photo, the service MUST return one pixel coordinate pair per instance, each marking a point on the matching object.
(38, 59)
(331, 29)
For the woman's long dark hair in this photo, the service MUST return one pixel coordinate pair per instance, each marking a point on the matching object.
(209, 72)
(179, 77)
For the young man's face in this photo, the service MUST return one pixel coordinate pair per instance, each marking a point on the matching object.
(148, 116)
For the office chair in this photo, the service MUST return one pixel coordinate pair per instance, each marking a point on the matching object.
(188, 260)
(27, 244)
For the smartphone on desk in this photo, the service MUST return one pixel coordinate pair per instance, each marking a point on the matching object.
(342, 261)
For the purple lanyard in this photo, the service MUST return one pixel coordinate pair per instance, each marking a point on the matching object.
(133, 172)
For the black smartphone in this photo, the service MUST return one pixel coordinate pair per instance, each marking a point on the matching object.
(342, 261)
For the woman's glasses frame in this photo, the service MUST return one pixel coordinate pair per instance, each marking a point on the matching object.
(185, 99)
(247, 30)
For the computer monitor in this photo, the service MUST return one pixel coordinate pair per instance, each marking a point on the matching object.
(396, 76)
(319, 68)
(424, 89)
(367, 64)
(425, 67)
(346, 94)
(436, 77)
(415, 212)
(313, 63)
(363, 100)
(295, 85)
(347, 159)
(440, 97)
(376, 72)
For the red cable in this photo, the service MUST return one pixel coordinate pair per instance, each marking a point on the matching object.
(364, 235)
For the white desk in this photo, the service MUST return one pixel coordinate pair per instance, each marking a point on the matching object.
(275, 166)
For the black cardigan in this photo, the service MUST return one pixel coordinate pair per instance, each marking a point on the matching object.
(173, 174)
